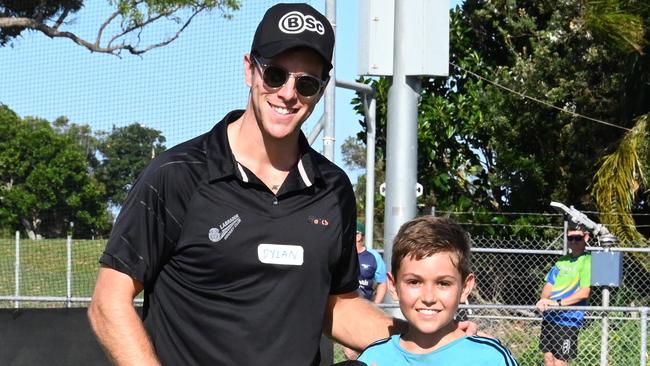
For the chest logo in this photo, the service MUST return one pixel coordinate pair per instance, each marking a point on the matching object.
(317, 221)
(291, 255)
(224, 230)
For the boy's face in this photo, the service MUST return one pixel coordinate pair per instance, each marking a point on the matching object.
(429, 291)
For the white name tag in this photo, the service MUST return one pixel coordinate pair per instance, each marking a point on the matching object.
(291, 255)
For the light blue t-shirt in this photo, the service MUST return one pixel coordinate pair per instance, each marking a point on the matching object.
(475, 351)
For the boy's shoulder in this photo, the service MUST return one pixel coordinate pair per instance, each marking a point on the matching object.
(471, 350)
(486, 348)
(384, 342)
(384, 349)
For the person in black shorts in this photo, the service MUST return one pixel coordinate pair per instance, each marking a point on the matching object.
(559, 340)
(567, 283)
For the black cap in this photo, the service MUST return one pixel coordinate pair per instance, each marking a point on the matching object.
(286, 26)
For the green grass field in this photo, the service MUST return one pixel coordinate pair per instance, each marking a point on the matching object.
(43, 267)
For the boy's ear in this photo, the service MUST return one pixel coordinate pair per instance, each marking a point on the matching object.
(391, 286)
(467, 287)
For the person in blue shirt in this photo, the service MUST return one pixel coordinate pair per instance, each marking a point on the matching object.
(568, 283)
(372, 276)
(430, 276)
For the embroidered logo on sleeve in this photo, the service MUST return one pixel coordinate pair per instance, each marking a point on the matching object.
(291, 255)
(224, 230)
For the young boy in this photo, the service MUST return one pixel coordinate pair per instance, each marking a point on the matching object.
(430, 276)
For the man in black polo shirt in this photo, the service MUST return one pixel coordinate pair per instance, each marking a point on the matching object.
(242, 239)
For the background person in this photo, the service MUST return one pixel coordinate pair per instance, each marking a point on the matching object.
(372, 277)
(430, 275)
(567, 283)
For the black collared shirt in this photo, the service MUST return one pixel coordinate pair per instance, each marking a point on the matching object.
(233, 273)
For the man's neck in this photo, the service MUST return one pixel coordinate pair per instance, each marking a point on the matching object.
(268, 158)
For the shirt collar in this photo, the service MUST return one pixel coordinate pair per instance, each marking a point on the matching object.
(222, 163)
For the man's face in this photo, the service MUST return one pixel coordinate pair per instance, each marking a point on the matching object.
(281, 111)
(577, 240)
(360, 242)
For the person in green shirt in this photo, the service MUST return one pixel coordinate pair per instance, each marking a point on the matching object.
(567, 284)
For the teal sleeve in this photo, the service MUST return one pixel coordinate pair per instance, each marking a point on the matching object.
(380, 273)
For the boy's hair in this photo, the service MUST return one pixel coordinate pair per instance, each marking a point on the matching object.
(427, 235)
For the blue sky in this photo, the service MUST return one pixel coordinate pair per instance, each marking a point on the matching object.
(181, 89)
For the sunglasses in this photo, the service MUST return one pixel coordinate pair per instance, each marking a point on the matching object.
(575, 237)
(275, 77)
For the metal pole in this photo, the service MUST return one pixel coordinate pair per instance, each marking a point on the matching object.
(330, 94)
(565, 248)
(644, 336)
(370, 113)
(326, 345)
(370, 168)
(604, 337)
(17, 271)
(313, 134)
(69, 271)
(401, 138)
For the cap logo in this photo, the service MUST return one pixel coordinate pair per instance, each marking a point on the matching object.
(296, 22)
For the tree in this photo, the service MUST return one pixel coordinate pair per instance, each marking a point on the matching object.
(83, 134)
(45, 183)
(121, 31)
(620, 186)
(505, 131)
(125, 152)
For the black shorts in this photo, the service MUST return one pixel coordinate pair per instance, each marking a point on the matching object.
(560, 340)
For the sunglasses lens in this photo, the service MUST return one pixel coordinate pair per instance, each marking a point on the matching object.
(275, 77)
(575, 237)
(307, 86)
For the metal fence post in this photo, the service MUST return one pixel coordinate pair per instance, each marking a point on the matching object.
(565, 246)
(17, 271)
(69, 271)
(644, 336)
(604, 338)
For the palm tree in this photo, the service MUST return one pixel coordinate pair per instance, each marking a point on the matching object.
(619, 182)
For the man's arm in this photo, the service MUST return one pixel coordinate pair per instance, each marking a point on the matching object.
(355, 322)
(115, 321)
(581, 294)
(544, 299)
(380, 292)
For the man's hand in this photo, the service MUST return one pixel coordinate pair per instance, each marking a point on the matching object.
(471, 328)
(545, 304)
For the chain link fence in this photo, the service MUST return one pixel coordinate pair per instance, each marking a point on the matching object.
(510, 274)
